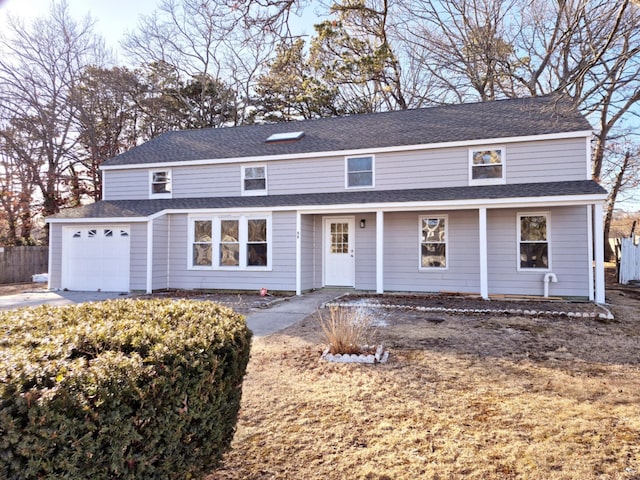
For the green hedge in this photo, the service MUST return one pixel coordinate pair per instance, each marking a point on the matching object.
(144, 389)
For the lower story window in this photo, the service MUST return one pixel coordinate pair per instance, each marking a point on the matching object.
(433, 242)
(533, 241)
(241, 242)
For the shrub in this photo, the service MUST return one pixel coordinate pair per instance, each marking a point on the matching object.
(119, 390)
(346, 329)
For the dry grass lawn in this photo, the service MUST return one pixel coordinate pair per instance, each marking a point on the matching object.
(472, 397)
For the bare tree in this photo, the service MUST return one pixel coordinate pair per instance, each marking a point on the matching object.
(40, 66)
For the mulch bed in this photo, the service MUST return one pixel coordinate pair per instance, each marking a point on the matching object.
(472, 304)
(240, 302)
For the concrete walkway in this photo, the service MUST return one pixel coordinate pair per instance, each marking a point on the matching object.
(40, 297)
(261, 322)
(290, 311)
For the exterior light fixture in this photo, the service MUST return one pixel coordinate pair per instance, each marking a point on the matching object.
(362, 223)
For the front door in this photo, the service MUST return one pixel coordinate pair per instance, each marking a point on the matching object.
(339, 252)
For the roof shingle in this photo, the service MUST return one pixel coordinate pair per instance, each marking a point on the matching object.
(471, 121)
(144, 208)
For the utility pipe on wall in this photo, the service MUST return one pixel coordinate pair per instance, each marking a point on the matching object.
(549, 277)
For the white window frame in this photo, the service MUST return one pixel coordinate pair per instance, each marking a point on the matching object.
(169, 174)
(346, 171)
(519, 216)
(243, 178)
(503, 164)
(243, 235)
(444, 217)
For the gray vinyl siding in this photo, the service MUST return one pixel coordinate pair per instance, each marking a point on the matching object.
(130, 184)
(317, 251)
(55, 255)
(526, 162)
(365, 252)
(549, 161)
(160, 253)
(138, 249)
(308, 266)
(282, 275)
(206, 181)
(569, 254)
(401, 252)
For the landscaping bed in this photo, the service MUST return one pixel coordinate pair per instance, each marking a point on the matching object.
(473, 396)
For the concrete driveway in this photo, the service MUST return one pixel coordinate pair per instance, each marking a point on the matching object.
(40, 297)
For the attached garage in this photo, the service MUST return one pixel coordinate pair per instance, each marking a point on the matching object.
(96, 258)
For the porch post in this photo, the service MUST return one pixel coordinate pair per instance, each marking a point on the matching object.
(150, 256)
(590, 256)
(598, 246)
(379, 251)
(298, 253)
(484, 275)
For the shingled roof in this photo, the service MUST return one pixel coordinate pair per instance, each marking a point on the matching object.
(144, 208)
(453, 123)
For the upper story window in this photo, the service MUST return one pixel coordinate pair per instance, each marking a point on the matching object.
(433, 242)
(254, 180)
(487, 166)
(160, 183)
(533, 241)
(359, 172)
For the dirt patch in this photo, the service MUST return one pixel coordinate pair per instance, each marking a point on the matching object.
(16, 288)
(243, 302)
(480, 396)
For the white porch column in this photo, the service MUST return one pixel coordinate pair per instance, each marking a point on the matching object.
(598, 246)
(149, 256)
(590, 257)
(379, 251)
(298, 253)
(484, 275)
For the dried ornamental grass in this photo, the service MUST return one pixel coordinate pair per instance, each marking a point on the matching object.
(346, 330)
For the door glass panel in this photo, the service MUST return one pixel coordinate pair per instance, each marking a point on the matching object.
(339, 238)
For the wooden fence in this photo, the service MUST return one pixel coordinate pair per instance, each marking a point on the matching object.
(18, 264)
(629, 269)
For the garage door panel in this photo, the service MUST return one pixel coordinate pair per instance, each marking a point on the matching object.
(96, 258)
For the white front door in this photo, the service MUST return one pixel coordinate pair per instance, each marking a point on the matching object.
(339, 252)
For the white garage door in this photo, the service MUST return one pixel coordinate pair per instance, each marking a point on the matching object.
(96, 258)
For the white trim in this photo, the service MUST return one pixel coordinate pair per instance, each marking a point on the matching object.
(484, 261)
(379, 251)
(598, 246)
(590, 252)
(547, 216)
(589, 156)
(104, 220)
(353, 152)
(503, 165)
(169, 174)
(149, 256)
(50, 259)
(298, 253)
(346, 172)
(253, 193)
(444, 217)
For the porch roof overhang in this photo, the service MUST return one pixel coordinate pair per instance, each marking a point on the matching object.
(581, 192)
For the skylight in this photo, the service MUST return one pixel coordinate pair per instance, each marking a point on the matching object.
(285, 137)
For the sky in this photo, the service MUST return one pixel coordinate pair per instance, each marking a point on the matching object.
(113, 17)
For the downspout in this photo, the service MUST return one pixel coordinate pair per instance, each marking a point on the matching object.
(547, 278)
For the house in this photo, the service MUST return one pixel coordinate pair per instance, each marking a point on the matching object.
(485, 198)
